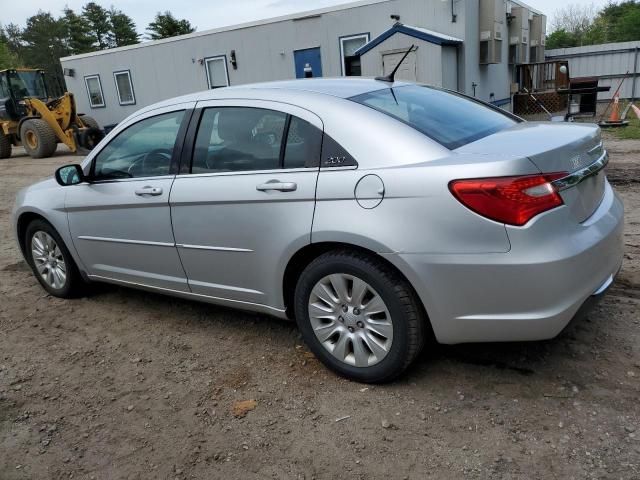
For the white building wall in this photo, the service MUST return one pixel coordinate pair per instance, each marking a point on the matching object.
(265, 51)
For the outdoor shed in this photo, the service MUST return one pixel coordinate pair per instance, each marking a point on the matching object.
(434, 60)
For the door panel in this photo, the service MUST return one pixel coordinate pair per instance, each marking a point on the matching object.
(235, 230)
(124, 236)
(308, 56)
(232, 237)
(121, 222)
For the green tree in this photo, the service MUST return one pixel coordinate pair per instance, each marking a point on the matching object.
(79, 37)
(166, 25)
(98, 19)
(11, 36)
(561, 39)
(576, 25)
(123, 29)
(44, 41)
(8, 59)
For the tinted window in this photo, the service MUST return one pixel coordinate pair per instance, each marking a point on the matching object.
(450, 119)
(142, 150)
(233, 139)
(303, 145)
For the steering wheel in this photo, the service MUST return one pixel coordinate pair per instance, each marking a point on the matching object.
(154, 160)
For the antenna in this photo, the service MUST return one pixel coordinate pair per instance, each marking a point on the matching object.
(391, 77)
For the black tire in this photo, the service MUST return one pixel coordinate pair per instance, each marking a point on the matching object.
(5, 145)
(38, 138)
(74, 285)
(89, 122)
(407, 314)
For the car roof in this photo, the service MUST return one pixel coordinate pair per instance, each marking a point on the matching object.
(343, 87)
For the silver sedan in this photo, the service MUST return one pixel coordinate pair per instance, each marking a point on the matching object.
(378, 215)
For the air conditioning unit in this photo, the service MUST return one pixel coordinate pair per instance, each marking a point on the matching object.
(491, 19)
(519, 32)
(538, 34)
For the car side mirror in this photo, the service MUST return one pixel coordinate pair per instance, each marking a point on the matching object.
(70, 175)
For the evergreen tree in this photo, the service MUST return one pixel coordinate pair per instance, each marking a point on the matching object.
(79, 37)
(123, 29)
(98, 19)
(166, 25)
(44, 43)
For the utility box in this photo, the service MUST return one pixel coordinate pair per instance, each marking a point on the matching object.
(492, 18)
(537, 38)
(518, 35)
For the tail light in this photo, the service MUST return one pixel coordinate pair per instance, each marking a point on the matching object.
(511, 200)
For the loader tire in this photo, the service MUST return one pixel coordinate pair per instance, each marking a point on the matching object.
(5, 146)
(89, 122)
(38, 138)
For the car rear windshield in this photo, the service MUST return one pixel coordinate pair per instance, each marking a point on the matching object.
(450, 119)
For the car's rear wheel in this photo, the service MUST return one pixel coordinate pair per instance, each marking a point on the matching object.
(359, 316)
(51, 261)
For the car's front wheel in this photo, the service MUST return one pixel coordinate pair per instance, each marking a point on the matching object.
(359, 316)
(51, 261)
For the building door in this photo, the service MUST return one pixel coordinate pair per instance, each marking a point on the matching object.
(407, 70)
(308, 62)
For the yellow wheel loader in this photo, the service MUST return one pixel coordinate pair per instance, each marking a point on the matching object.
(29, 117)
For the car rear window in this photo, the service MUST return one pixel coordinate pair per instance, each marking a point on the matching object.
(450, 119)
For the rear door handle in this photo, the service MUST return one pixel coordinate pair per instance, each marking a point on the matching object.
(148, 190)
(276, 185)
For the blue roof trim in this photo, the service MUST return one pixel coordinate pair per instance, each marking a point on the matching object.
(412, 32)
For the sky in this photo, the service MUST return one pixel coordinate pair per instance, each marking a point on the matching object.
(206, 14)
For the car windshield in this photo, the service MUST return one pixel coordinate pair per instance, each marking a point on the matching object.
(450, 119)
(27, 84)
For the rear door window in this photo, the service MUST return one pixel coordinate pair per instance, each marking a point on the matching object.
(450, 119)
(238, 139)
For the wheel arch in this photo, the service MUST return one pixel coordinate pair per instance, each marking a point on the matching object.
(305, 255)
(22, 223)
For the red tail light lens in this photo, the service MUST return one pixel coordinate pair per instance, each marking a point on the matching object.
(511, 200)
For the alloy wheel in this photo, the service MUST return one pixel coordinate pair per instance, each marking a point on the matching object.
(48, 260)
(351, 320)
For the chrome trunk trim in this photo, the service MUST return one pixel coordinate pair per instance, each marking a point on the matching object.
(578, 176)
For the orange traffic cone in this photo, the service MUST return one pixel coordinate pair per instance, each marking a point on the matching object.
(615, 111)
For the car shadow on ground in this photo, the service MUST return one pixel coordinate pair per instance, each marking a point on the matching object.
(526, 359)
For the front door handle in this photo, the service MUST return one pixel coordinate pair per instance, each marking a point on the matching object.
(148, 190)
(276, 185)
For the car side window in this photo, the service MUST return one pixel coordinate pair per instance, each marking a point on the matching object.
(304, 143)
(142, 150)
(231, 139)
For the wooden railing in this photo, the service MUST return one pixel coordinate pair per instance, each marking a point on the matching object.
(543, 76)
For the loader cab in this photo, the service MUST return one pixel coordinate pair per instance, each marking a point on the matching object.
(15, 86)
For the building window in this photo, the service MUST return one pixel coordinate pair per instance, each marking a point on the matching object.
(124, 87)
(348, 45)
(94, 90)
(217, 74)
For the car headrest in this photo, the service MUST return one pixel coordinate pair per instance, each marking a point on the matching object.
(236, 124)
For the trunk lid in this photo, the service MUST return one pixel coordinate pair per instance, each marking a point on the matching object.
(554, 147)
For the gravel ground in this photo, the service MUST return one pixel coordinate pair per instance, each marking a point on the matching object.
(126, 385)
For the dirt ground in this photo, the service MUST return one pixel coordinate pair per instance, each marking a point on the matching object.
(131, 385)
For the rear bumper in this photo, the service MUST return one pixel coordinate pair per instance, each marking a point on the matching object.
(529, 293)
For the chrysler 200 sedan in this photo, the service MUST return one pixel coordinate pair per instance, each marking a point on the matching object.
(376, 214)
